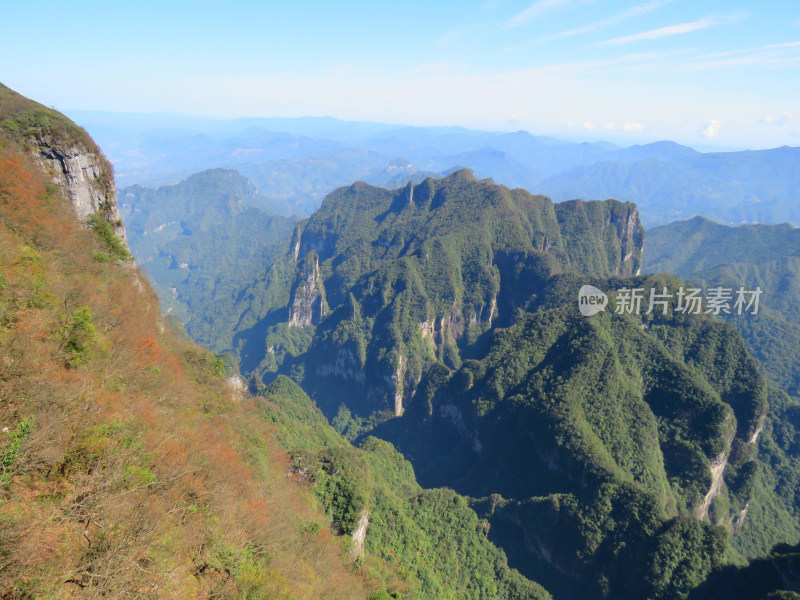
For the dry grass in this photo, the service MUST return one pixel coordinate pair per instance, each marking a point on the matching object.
(143, 475)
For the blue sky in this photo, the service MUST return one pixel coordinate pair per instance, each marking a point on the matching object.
(706, 73)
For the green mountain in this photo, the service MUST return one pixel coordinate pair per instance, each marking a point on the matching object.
(202, 239)
(712, 255)
(600, 449)
(379, 285)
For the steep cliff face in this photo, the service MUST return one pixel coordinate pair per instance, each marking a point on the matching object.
(308, 297)
(66, 153)
(613, 227)
(85, 176)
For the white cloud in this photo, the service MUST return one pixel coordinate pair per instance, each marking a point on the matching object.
(620, 17)
(632, 127)
(712, 129)
(773, 56)
(588, 125)
(778, 119)
(537, 9)
(592, 66)
(469, 32)
(653, 34)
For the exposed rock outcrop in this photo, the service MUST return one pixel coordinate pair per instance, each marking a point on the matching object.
(397, 379)
(359, 534)
(629, 229)
(718, 466)
(86, 177)
(308, 305)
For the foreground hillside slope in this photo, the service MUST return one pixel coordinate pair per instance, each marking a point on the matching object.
(128, 466)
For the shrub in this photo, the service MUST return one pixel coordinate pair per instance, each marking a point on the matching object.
(79, 337)
(114, 246)
(11, 452)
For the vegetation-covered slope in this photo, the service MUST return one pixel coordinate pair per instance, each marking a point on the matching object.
(601, 447)
(750, 256)
(422, 543)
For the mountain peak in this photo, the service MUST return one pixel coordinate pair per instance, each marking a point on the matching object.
(461, 175)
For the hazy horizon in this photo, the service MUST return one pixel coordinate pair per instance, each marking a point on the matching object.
(712, 74)
(183, 121)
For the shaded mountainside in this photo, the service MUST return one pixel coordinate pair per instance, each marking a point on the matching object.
(432, 535)
(130, 466)
(601, 448)
(380, 284)
(776, 577)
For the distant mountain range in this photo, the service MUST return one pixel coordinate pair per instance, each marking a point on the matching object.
(299, 161)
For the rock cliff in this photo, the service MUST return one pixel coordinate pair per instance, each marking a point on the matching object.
(66, 153)
(85, 176)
